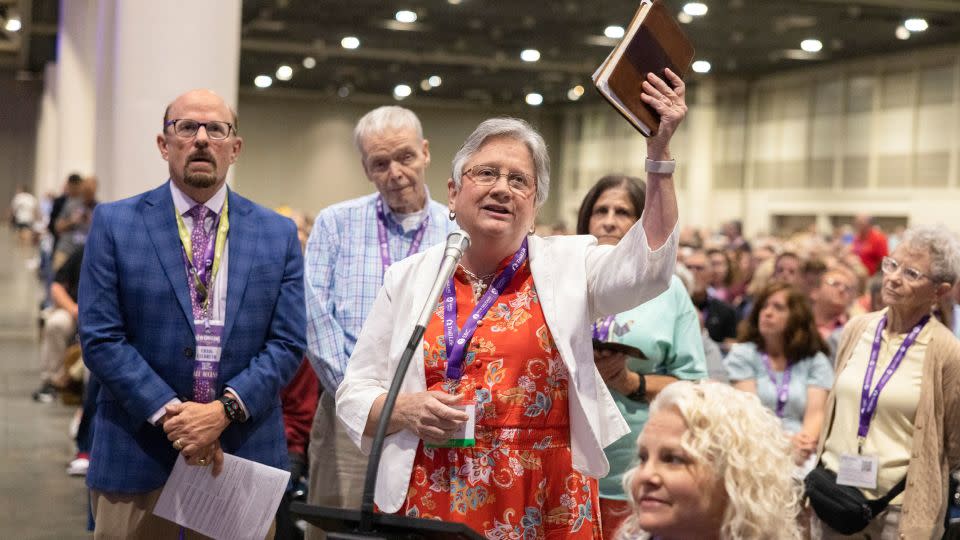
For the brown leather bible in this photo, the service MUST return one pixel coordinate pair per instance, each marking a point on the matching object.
(653, 41)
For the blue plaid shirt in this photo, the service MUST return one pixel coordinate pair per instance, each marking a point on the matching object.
(344, 272)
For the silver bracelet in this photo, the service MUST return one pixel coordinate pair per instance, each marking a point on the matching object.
(660, 167)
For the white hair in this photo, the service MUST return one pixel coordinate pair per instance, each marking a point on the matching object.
(381, 119)
(732, 436)
(513, 128)
(943, 247)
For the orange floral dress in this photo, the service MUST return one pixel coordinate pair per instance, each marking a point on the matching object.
(518, 481)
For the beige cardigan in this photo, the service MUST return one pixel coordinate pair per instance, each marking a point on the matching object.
(936, 439)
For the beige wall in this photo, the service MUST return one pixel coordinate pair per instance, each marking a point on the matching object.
(19, 106)
(299, 151)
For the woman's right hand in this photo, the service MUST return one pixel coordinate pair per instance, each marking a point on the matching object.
(430, 415)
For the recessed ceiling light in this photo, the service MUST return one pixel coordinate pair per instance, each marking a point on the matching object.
(309, 62)
(343, 91)
(401, 91)
(696, 9)
(262, 81)
(701, 66)
(811, 45)
(454, 2)
(685, 17)
(425, 85)
(575, 93)
(284, 73)
(529, 55)
(435, 80)
(13, 24)
(350, 42)
(406, 16)
(916, 25)
(613, 32)
(902, 33)
(534, 99)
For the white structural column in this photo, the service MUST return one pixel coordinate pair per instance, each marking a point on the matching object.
(74, 87)
(47, 169)
(699, 164)
(149, 53)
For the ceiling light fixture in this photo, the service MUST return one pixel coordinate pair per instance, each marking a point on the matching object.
(262, 81)
(534, 99)
(435, 81)
(350, 42)
(613, 32)
(685, 17)
(401, 91)
(701, 66)
(575, 93)
(811, 45)
(406, 16)
(13, 24)
(309, 62)
(695, 9)
(454, 2)
(425, 85)
(916, 25)
(284, 73)
(902, 33)
(529, 55)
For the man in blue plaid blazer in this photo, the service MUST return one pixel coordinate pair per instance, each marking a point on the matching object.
(141, 317)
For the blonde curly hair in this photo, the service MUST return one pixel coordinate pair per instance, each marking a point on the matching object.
(736, 439)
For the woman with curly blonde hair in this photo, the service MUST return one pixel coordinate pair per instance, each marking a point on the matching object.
(713, 463)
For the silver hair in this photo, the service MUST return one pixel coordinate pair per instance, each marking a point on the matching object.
(513, 128)
(943, 247)
(387, 117)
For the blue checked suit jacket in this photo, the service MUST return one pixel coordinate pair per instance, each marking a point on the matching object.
(136, 330)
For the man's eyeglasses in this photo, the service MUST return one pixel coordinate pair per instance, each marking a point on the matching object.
(186, 128)
(890, 266)
(485, 175)
(837, 284)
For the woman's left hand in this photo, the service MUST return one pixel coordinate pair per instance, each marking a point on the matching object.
(670, 104)
(613, 369)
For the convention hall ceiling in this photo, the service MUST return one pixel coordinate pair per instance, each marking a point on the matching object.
(474, 46)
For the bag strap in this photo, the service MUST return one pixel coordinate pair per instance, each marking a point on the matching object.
(879, 505)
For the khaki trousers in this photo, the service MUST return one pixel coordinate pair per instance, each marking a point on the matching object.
(337, 467)
(130, 515)
(58, 331)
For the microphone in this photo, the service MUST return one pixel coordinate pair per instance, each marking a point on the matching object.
(457, 243)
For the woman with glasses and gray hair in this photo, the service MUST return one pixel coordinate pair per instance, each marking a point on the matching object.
(502, 420)
(894, 410)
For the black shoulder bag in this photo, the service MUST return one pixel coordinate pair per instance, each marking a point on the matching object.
(844, 508)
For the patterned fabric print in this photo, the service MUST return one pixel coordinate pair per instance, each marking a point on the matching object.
(518, 481)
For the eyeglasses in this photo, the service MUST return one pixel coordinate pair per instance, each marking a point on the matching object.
(485, 175)
(837, 284)
(187, 129)
(890, 266)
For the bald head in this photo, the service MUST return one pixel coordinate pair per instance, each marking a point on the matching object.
(199, 94)
(862, 223)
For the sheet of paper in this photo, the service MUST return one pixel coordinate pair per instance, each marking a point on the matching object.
(239, 503)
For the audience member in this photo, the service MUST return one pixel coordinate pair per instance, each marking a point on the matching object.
(24, 214)
(831, 301)
(71, 190)
(869, 243)
(527, 365)
(73, 223)
(351, 246)
(721, 275)
(717, 317)
(712, 463)
(169, 249)
(894, 411)
(664, 331)
(781, 359)
(786, 268)
(59, 327)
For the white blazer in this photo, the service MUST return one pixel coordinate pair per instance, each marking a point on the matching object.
(577, 282)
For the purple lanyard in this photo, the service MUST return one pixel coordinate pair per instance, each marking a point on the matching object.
(601, 330)
(457, 341)
(202, 272)
(382, 236)
(868, 399)
(783, 389)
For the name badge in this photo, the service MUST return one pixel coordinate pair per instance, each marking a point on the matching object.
(858, 471)
(464, 437)
(209, 336)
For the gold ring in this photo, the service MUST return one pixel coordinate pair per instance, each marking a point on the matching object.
(202, 461)
(177, 445)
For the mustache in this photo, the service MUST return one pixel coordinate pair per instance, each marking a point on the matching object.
(201, 156)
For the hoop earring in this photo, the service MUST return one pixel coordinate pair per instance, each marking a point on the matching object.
(533, 230)
(453, 215)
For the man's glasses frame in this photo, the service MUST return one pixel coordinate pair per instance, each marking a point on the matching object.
(187, 128)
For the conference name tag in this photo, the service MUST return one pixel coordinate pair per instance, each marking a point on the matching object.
(858, 471)
(464, 437)
(208, 336)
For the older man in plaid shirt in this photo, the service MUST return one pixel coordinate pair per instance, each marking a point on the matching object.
(350, 247)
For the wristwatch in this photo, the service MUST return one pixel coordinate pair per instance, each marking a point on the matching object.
(660, 167)
(640, 394)
(232, 409)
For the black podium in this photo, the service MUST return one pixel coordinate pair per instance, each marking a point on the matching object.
(340, 524)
